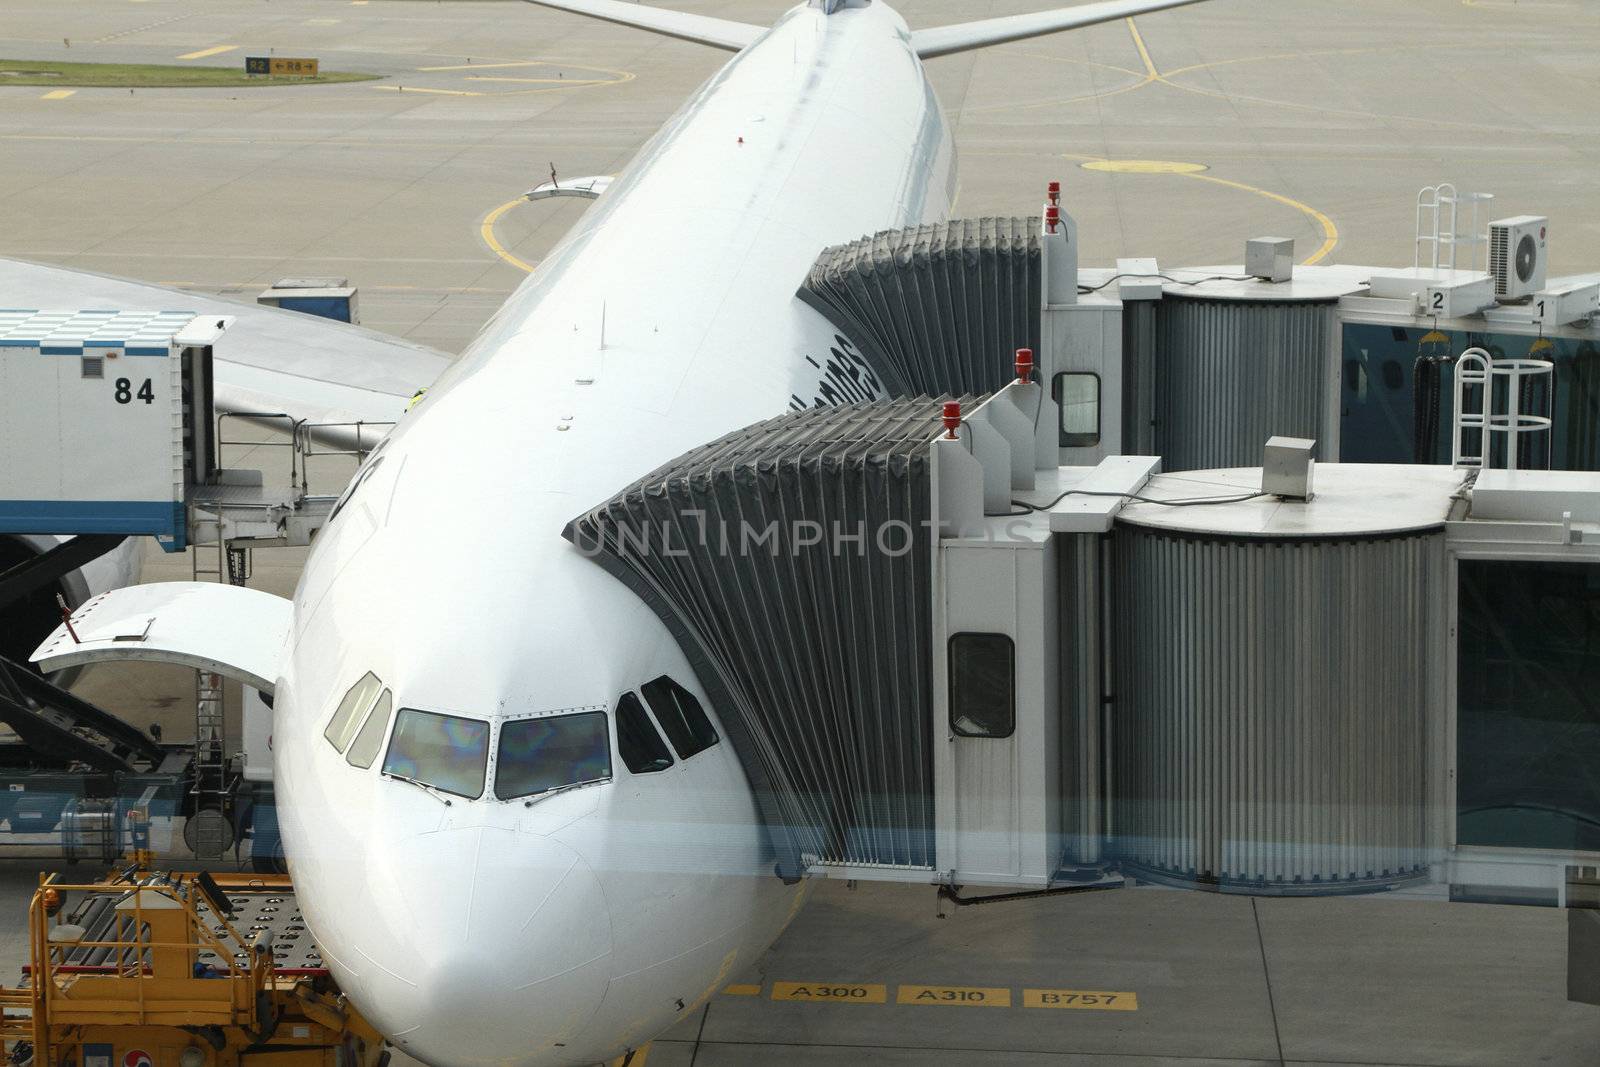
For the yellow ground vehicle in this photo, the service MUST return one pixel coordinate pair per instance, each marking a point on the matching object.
(153, 970)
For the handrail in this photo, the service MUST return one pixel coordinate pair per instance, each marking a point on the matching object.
(133, 947)
(299, 436)
(309, 430)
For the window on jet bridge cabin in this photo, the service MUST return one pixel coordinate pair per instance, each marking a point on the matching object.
(680, 715)
(538, 755)
(1078, 394)
(448, 752)
(369, 741)
(638, 743)
(347, 717)
(983, 688)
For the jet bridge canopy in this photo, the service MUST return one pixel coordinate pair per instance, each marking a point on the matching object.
(234, 631)
(931, 305)
(746, 548)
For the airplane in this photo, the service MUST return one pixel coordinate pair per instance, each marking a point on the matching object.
(515, 827)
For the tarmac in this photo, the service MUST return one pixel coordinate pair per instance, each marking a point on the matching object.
(1317, 120)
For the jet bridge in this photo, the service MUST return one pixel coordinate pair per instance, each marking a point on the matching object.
(794, 564)
(1200, 365)
(942, 659)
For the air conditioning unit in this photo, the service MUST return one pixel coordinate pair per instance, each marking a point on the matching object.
(1517, 256)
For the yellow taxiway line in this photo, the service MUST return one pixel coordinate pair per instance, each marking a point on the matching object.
(1330, 231)
(58, 94)
(486, 231)
(419, 89)
(204, 52)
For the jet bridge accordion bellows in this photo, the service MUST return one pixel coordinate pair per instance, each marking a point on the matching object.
(792, 561)
(1271, 703)
(931, 305)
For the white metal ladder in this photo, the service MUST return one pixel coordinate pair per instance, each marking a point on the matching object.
(1476, 368)
(211, 756)
(1439, 228)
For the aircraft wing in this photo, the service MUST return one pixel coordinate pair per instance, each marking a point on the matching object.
(944, 40)
(703, 29)
(269, 360)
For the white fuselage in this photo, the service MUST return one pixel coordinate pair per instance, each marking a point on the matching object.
(569, 929)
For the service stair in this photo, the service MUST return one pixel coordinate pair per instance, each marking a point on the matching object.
(55, 723)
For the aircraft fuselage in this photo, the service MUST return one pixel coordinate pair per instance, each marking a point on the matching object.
(565, 928)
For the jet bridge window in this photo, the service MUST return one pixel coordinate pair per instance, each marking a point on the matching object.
(446, 752)
(1078, 394)
(1528, 722)
(342, 727)
(680, 716)
(983, 690)
(538, 755)
(640, 745)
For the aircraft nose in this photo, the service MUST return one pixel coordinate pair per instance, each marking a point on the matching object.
(503, 949)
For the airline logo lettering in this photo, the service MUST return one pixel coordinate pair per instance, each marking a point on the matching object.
(137, 1057)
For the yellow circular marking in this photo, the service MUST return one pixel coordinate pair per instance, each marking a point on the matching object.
(1330, 232)
(486, 231)
(1143, 166)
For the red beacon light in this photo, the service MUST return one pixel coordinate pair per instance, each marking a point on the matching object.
(1024, 366)
(1052, 218)
(952, 419)
(1054, 191)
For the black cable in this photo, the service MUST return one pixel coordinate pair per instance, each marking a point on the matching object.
(1168, 278)
(1187, 502)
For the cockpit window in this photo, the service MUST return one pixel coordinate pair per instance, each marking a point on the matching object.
(370, 739)
(446, 752)
(680, 715)
(538, 755)
(368, 469)
(640, 747)
(348, 715)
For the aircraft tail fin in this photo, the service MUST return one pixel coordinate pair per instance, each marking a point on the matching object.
(719, 33)
(945, 40)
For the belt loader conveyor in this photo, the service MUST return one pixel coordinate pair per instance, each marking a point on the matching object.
(177, 970)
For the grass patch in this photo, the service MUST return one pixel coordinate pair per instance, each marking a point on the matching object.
(146, 75)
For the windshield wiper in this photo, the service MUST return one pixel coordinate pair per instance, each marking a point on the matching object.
(432, 791)
(544, 794)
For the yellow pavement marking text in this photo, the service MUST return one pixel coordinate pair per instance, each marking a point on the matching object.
(58, 94)
(204, 52)
(830, 993)
(742, 991)
(954, 996)
(1092, 1000)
